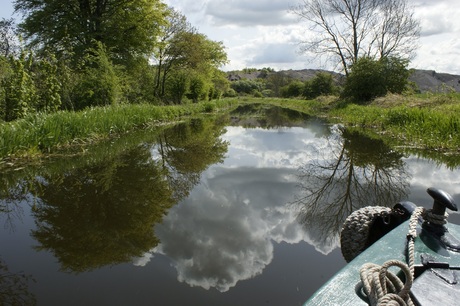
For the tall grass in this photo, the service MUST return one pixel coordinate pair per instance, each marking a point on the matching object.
(41, 132)
(431, 126)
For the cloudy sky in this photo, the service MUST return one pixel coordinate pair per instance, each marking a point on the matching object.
(262, 33)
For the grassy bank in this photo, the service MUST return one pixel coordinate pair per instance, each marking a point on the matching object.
(40, 133)
(426, 121)
(430, 122)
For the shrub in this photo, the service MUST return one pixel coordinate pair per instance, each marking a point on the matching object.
(371, 78)
(320, 85)
(293, 89)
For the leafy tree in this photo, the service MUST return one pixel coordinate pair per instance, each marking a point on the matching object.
(349, 29)
(370, 78)
(246, 86)
(138, 82)
(47, 85)
(220, 85)
(321, 84)
(165, 53)
(197, 88)
(276, 81)
(98, 85)
(294, 89)
(18, 89)
(177, 87)
(195, 53)
(128, 28)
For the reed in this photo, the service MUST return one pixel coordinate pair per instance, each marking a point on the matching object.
(41, 133)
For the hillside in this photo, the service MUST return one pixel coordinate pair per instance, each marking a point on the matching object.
(426, 80)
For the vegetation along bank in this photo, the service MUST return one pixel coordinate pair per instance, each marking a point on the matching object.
(72, 74)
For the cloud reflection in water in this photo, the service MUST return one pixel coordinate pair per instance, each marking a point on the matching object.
(224, 232)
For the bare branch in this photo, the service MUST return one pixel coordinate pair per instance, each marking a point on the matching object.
(345, 30)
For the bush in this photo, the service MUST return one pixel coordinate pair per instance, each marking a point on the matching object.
(371, 78)
(246, 86)
(321, 84)
(230, 93)
(293, 89)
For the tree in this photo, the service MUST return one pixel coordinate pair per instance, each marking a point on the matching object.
(47, 85)
(164, 53)
(197, 88)
(194, 53)
(321, 84)
(128, 28)
(18, 90)
(177, 87)
(370, 78)
(346, 30)
(293, 89)
(9, 43)
(98, 84)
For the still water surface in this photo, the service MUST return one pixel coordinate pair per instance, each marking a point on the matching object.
(243, 209)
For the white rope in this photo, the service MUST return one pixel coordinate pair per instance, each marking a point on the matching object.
(381, 286)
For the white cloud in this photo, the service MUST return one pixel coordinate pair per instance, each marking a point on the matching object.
(249, 13)
(251, 29)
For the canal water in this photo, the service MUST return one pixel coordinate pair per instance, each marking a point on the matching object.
(240, 209)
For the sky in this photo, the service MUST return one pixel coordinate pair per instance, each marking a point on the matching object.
(262, 33)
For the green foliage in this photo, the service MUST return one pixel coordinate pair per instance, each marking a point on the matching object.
(177, 87)
(183, 49)
(425, 127)
(220, 84)
(98, 84)
(47, 84)
(43, 132)
(127, 28)
(371, 78)
(246, 86)
(197, 88)
(18, 90)
(231, 93)
(249, 70)
(321, 84)
(137, 82)
(293, 89)
(276, 81)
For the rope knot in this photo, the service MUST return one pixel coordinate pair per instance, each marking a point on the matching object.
(429, 216)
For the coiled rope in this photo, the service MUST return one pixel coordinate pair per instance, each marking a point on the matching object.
(382, 287)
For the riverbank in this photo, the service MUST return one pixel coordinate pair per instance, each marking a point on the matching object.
(427, 122)
(40, 134)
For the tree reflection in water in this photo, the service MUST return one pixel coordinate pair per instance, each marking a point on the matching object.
(14, 289)
(104, 214)
(186, 150)
(352, 172)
